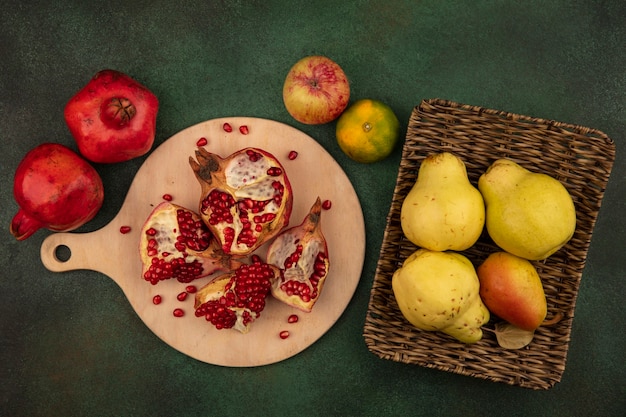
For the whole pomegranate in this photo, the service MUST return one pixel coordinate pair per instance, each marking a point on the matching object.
(302, 255)
(112, 118)
(175, 243)
(55, 189)
(246, 197)
(236, 299)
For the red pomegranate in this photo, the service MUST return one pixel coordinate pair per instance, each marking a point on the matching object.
(175, 243)
(236, 299)
(246, 197)
(55, 189)
(112, 118)
(302, 255)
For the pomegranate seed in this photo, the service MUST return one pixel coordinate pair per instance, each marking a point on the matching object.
(178, 312)
(284, 334)
(292, 155)
(326, 205)
(227, 127)
(182, 296)
(253, 155)
(156, 300)
(201, 142)
(292, 319)
(191, 289)
(124, 229)
(274, 171)
(244, 130)
(167, 197)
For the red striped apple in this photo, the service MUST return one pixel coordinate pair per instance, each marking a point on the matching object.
(316, 90)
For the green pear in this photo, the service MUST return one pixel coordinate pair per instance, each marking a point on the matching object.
(511, 289)
(528, 214)
(439, 291)
(443, 210)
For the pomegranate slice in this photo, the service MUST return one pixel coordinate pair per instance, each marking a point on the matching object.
(236, 299)
(175, 243)
(246, 197)
(302, 255)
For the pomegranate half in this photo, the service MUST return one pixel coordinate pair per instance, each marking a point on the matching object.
(236, 299)
(246, 197)
(302, 255)
(175, 243)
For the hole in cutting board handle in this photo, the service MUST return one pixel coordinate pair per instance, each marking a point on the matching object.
(62, 253)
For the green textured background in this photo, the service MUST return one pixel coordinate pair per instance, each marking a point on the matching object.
(72, 345)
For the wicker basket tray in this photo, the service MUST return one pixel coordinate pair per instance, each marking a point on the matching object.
(581, 158)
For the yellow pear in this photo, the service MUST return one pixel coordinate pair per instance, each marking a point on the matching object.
(529, 214)
(511, 289)
(443, 210)
(439, 291)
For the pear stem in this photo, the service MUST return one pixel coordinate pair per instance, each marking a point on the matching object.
(554, 320)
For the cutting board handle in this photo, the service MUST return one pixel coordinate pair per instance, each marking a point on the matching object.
(86, 251)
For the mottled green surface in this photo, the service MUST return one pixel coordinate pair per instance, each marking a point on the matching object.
(72, 345)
